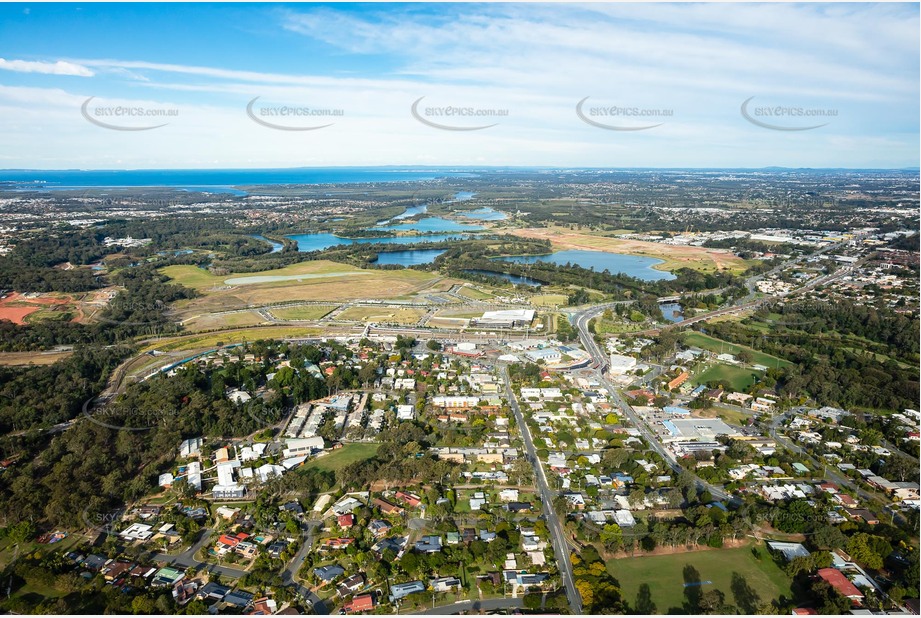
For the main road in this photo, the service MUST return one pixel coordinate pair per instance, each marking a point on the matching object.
(560, 546)
(581, 320)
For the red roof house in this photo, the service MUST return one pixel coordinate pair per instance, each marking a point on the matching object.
(346, 521)
(361, 603)
(842, 584)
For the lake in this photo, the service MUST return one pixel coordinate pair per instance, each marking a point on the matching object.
(318, 242)
(410, 257)
(632, 265)
(461, 196)
(671, 312)
(276, 246)
(506, 276)
(435, 224)
(412, 211)
(484, 214)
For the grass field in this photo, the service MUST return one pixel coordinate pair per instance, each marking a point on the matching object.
(733, 417)
(208, 340)
(474, 293)
(757, 581)
(229, 320)
(407, 315)
(739, 379)
(719, 346)
(674, 256)
(307, 312)
(458, 313)
(549, 300)
(312, 280)
(348, 454)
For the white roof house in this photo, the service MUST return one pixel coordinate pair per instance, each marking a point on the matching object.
(406, 412)
(137, 532)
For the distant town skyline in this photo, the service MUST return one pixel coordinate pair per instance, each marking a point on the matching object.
(530, 85)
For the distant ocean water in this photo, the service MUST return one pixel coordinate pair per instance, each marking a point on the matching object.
(215, 180)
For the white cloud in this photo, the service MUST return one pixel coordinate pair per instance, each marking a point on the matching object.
(48, 68)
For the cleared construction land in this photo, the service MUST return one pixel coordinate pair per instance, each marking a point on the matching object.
(311, 280)
(673, 256)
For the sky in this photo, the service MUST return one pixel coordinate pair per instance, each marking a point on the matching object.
(129, 86)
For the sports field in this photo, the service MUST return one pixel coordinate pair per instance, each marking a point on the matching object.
(739, 379)
(674, 256)
(338, 459)
(719, 346)
(746, 581)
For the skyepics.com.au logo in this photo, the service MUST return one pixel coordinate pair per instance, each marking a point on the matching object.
(618, 118)
(102, 520)
(785, 117)
(99, 200)
(290, 117)
(263, 414)
(120, 418)
(126, 312)
(455, 118)
(126, 117)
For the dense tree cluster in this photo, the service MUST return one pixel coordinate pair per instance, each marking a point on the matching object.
(837, 348)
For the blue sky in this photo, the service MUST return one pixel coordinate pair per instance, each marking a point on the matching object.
(682, 72)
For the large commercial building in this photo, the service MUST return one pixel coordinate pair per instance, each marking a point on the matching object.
(697, 429)
(507, 318)
(619, 365)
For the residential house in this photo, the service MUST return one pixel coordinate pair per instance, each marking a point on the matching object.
(329, 573)
(346, 521)
(837, 580)
(399, 591)
(429, 544)
(444, 584)
(387, 508)
(361, 603)
(350, 585)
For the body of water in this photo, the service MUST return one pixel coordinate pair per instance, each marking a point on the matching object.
(435, 224)
(506, 276)
(461, 196)
(412, 211)
(411, 257)
(671, 312)
(219, 180)
(276, 246)
(484, 214)
(318, 242)
(632, 265)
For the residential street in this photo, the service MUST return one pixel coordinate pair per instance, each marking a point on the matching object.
(560, 546)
